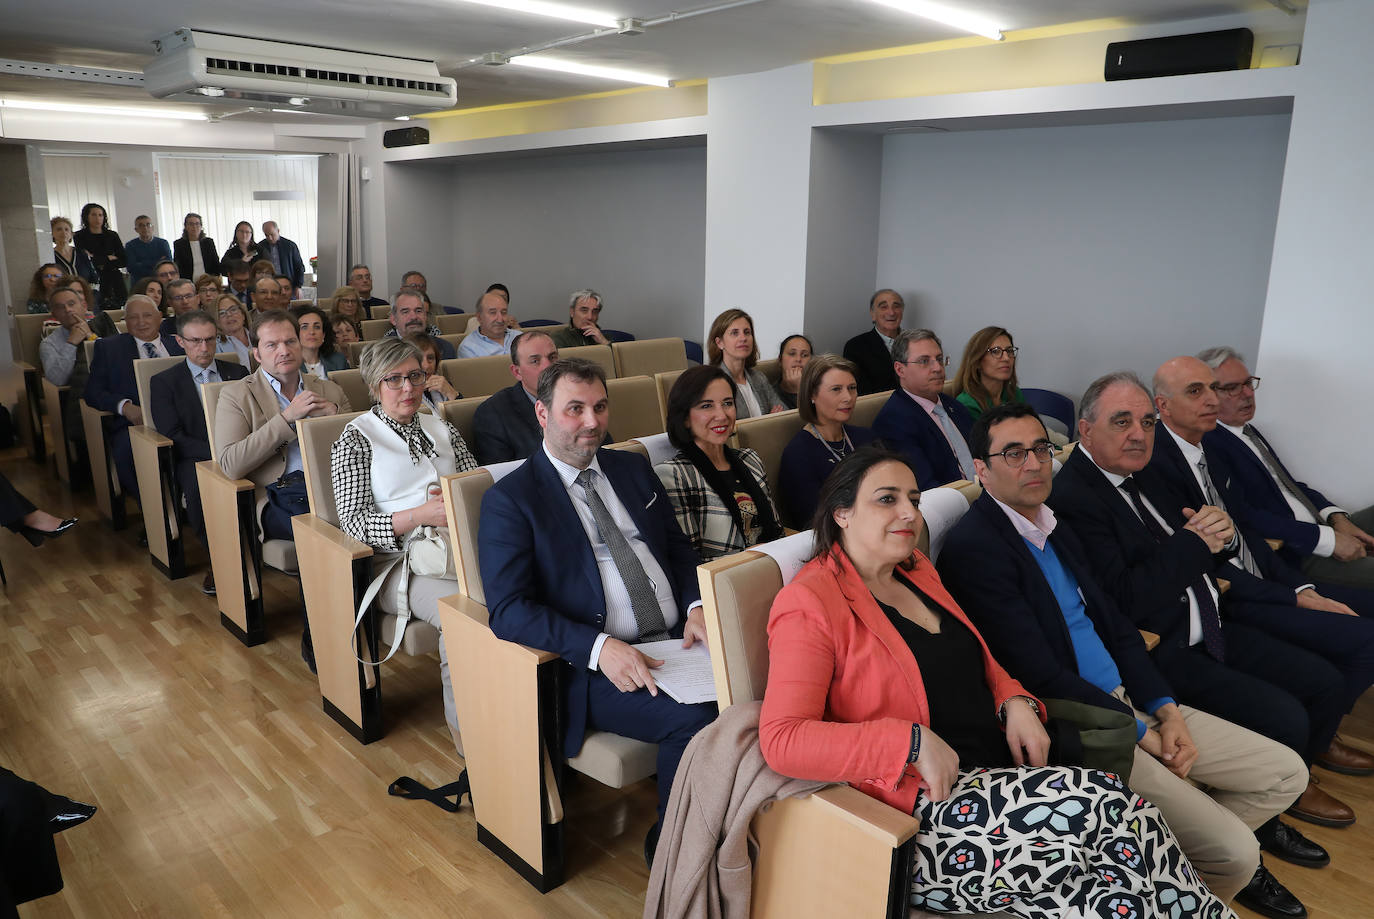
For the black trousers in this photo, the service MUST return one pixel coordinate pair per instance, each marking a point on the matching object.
(28, 858)
(190, 489)
(1285, 692)
(14, 507)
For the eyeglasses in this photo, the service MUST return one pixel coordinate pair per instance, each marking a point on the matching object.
(1016, 456)
(927, 360)
(1009, 352)
(229, 312)
(198, 341)
(52, 277)
(416, 378)
(182, 298)
(1230, 389)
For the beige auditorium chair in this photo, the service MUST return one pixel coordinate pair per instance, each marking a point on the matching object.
(453, 338)
(374, 329)
(109, 493)
(299, 304)
(380, 312)
(478, 376)
(155, 470)
(597, 354)
(771, 369)
(866, 408)
(769, 435)
(335, 572)
(460, 413)
(649, 356)
(450, 323)
(634, 407)
(237, 555)
(351, 382)
(508, 706)
(665, 380)
(29, 335)
(837, 852)
(354, 351)
(326, 304)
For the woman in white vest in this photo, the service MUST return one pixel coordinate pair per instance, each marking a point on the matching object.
(386, 468)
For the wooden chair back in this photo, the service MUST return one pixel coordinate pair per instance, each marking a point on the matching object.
(478, 376)
(450, 323)
(209, 397)
(867, 407)
(649, 356)
(144, 371)
(380, 312)
(374, 329)
(665, 380)
(351, 382)
(317, 437)
(769, 435)
(29, 332)
(634, 407)
(597, 354)
(460, 413)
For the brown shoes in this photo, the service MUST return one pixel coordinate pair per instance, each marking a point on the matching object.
(1346, 759)
(1316, 806)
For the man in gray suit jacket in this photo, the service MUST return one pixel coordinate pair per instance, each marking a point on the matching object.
(504, 427)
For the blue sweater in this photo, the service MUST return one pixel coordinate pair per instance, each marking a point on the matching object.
(142, 257)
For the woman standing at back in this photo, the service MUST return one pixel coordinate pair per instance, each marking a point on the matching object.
(106, 252)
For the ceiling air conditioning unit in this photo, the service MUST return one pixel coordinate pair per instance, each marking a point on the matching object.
(198, 66)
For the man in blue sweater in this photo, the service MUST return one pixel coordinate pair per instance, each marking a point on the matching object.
(145, 250)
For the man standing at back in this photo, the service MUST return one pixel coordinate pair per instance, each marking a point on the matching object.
(918, 420)
(493, 334)
(145, 250)
(871, 352)
(179, 415)
(255, 428)
(284, 255)
(581, 555)
(504, 427)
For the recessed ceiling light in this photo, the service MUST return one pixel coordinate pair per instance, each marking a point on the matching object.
(553, 11)
(950, 16)
(113, 110)
(590, 70)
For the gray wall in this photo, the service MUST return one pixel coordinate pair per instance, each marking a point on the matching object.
(1099, 246)
(629, 224)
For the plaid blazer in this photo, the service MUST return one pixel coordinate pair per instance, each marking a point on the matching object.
(699, 510)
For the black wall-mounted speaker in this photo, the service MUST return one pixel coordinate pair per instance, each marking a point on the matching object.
(1202, 52)
(405, 137)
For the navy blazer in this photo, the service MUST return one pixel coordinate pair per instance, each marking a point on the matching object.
(1168, 463)
(289, 255)
(209, 258)
(504, 427)
(988, 568)
(112, 372)
(871, 355)
(1260, 503)
(907, 428)
(178, 413)
(539, 571)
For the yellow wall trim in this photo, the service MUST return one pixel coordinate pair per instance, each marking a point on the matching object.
(449, 113)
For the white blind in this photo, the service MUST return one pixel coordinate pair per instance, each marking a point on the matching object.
(76, 180)
(221, 189)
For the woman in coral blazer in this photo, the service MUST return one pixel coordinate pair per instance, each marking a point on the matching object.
(877, 678)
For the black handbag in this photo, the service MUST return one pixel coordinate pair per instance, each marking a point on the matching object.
(1091, 736)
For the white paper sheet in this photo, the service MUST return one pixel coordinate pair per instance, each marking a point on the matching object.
(685, 675)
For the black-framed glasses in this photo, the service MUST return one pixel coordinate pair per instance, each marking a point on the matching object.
(416, 378)
(1009, 352)
(927, 360)
(198, 341)
(1231, 389)
(1016, 456)
(182, 298)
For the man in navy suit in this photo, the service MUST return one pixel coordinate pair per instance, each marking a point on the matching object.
(871, 351)
(284, 255)
(111, 386)
(919, 421)
(504, 428)
(1325, 541)
(179, 415)
(1022, 576)
(581, 555)
(1159, 555)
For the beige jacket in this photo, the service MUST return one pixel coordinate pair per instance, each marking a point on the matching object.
(702, 866)
(252, 434)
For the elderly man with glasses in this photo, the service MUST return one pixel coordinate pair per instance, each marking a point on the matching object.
(1327, 542)
(918, 420)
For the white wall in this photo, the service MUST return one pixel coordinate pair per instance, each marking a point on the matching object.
(1100, 246)
(629, 224)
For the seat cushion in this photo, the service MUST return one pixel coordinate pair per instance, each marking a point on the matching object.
(420, 637)
(614, 760)
(280, 554)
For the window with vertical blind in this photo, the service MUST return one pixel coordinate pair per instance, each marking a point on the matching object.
(227, 189)
(76, 179)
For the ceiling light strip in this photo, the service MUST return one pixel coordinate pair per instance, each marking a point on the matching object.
(110, 110)
(947, 15)
(590, 70)
(552, 11)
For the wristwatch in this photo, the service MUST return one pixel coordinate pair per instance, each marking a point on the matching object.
(1002, 711)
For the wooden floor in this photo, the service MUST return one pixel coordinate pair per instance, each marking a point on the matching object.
(225, 791)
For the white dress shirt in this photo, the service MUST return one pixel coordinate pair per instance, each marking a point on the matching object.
(293, 449)
(620, 616)
(142, 352)
(1326, 541)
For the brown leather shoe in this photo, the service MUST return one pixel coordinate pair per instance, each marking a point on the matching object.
(1345, 759)
(1316, 806)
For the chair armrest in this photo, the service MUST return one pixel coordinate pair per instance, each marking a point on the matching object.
(26, 367)
(1150, 638)
(469, 612)
(215, 477)
(153, 438)
(338, 544)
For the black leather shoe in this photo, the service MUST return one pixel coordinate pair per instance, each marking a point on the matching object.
(1283, 841)
(308, 652)
(68, 813)
(651, 846)
(1266, 896)
(36, 536)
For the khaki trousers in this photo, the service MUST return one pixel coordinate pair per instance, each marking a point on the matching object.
(1239, 780)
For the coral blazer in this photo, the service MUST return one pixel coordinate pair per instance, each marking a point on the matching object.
(844, 688)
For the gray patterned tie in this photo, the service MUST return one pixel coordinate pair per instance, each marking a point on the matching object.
(956, 442)
(149, 350)
(1279, 473)
(643, 598)
(1247, 561)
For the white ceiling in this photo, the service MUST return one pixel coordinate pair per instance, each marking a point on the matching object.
(762, 36)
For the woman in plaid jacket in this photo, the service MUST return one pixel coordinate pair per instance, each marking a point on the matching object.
(719, 494)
